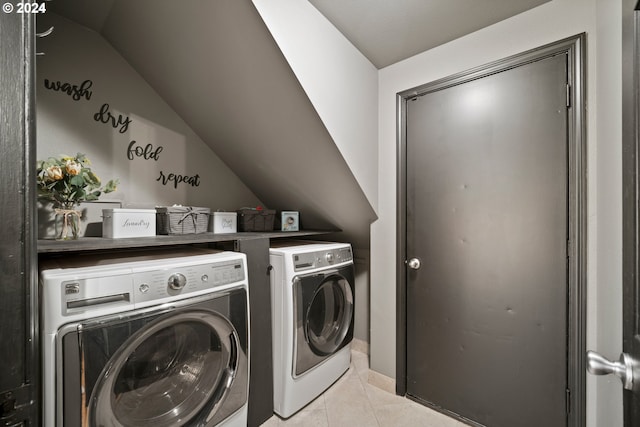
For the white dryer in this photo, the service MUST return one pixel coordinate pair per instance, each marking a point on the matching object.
(154, 338)
(312, 297)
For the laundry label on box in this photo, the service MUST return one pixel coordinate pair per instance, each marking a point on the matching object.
(118, 223)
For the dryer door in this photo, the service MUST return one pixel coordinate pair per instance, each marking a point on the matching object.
(323, 306)
(183, 367)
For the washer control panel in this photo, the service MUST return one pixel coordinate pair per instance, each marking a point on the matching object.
(103, 284)
(158, 284)
(176, 281)
(309, 260)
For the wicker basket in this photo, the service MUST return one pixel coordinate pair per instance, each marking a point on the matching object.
(256, 220)
(182, 220)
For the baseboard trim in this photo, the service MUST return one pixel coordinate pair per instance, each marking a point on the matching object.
(360, 345)
(374, 378)
(382, 382)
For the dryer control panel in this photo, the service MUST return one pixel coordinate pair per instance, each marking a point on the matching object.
(306, 261)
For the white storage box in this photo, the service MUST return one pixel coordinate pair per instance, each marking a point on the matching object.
(118, 223)
(225, 222)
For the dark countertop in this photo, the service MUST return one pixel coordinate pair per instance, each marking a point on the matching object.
(100, 243)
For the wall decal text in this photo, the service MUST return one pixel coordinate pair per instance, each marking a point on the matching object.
(194, 180)
(105, 116)
(147, 153)
(135, 150)
(74, 91)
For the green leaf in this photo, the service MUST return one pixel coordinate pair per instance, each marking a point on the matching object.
(81, 158)
(93, 195)
(77, 181)
(111, 186)
(90, 177)
(78, 194)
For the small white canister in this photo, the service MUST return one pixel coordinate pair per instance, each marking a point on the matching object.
(118, 223)
(225, 222)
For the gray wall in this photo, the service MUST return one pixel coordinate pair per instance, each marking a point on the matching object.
(67, 125)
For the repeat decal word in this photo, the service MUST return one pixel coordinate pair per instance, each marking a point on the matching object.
(74, 91)
(194, 180)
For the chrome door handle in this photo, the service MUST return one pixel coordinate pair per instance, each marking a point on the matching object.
(597, 364)
(414, 263)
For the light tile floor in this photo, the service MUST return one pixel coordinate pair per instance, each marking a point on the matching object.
(353, 402)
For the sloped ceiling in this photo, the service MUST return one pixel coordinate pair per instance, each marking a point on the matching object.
(384, 31)
(88, 13)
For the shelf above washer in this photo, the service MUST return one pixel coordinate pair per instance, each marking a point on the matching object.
(102, 243)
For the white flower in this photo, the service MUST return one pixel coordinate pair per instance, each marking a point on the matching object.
(54, 173)
(73, 168)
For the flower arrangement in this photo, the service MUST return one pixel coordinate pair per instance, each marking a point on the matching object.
(67, 181)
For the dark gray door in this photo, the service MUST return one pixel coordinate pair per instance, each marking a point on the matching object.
(487, 229)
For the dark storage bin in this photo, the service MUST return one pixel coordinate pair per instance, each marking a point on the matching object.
(256, 220)
(182, 220)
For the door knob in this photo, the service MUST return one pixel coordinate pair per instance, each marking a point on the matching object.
(597, 364)
(414, 263)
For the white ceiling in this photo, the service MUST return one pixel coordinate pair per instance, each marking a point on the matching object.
(388, 31)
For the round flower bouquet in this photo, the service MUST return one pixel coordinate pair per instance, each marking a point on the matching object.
(67, 181)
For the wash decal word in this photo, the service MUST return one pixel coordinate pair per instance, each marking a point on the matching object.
(74, 91)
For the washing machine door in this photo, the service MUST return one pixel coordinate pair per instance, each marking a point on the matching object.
(323, 306)
(182, 367)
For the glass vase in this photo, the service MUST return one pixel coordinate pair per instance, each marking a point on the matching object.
(67, 223)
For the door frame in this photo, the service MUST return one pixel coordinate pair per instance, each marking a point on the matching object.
(630, 185)
(20, 394)
(575, 48)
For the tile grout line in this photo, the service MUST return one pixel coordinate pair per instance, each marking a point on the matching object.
(364, 385)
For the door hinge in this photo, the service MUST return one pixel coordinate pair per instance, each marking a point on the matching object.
(569, 249)
(568, 400)
(568, 95)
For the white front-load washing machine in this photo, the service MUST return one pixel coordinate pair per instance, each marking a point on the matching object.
(312, 297)
(154, 338)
